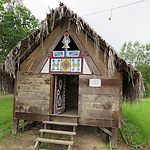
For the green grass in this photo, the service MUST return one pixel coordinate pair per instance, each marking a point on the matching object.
(6, 108)
(136, 117)
(137, 124)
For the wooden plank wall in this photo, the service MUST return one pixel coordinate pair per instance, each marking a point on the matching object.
(32, 93)
(100, 106)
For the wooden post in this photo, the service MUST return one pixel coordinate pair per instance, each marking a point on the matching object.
(36, 145)
(45, 126)
(15, 126)
(69, 147)
(51, 93)
(114, 138)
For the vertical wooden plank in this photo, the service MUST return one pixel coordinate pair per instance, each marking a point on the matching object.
(114, 138)
(15, 126)
(15, 94)
(51, 93)
(120, 77)
(55, 92)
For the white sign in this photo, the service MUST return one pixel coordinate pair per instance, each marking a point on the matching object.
(95, 83)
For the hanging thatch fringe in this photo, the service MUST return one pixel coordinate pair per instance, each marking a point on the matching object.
(111, 64)
(132, 78)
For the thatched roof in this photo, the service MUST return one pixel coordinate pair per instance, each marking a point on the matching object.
(2, 68)
(132, 78)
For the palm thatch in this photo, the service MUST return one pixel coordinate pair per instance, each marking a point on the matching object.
(132, 78)
(6, 81)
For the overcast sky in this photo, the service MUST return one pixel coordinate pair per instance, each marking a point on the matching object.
(131, 23)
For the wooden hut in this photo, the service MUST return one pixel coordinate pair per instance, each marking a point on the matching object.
(65, 69)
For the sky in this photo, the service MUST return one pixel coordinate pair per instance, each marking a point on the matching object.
(129, 22)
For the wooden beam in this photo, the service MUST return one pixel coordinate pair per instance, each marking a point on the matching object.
(15, 126)
(57, 132)
(15, 94)
(97, 56)
(114, 138)
(31, 116)
(87, 57)
(98, 122)
(124, 138)
(35, 57)
(61, 123)
(61, 142)
(24, 124)
(110, 144)
(54, 41)
(51, 93)
(36, 147)
(69, 147)
(106, 131)
(55, 91)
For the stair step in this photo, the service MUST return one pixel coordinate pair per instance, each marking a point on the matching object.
(61, 123)
(62, 115)
(57, 132)
(54, 141)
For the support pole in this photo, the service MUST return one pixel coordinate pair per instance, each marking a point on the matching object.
(15, 126)
(114, 138)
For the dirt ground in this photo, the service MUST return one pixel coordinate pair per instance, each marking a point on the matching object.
(1, 96)
(87, 138)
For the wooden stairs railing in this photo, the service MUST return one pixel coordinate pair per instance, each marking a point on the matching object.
(58, 132)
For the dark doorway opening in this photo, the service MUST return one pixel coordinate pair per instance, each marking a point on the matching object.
(66, 94)
(72, 84)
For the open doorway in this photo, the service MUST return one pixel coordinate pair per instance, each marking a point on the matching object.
(66, 94)
(72, 84)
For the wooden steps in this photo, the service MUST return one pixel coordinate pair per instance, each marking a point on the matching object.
(50, 131)
(64, 118)
(56, 132)
(60, 123)
(62, 115)
(74, 125)
(43, 140)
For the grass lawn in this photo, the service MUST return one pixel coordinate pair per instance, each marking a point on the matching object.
(136, 128)
(137, 124)
(6, 108)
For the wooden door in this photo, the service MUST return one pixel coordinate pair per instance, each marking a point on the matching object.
(59, 94)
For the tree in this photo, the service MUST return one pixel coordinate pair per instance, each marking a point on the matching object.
(135, 53)
(16, 22)
(139, 56)
(1, 6)
(145, 70)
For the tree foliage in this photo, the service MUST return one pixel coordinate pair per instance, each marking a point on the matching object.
(139, 56)
(135, 53)
(145, 70)
(16, 22)
(1, 6)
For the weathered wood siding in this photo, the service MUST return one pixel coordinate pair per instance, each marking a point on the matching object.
(32, 93)
(100, 106)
